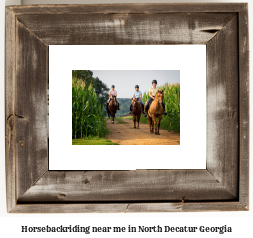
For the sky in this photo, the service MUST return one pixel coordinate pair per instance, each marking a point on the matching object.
(125, 80)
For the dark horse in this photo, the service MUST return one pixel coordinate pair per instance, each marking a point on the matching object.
(155, 111)
(136, 106)
(112, 108)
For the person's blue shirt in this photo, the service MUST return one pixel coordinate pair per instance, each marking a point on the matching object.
(137, 95)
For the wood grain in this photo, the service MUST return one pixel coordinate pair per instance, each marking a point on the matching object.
(140, 185)
(30, 109)
(222, 107)
(186, 207)
(129, 207)
(153, 8)
(131, 29)
(10, 64)
(244, 107)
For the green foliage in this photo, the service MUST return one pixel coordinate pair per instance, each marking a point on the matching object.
(92, 141)
(98, 86)
(124, 104)
(120, 120)
(128, 117)
(145, 97)
(172, 105)
(165, 122)
(87, 111)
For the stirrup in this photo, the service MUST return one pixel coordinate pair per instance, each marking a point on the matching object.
(145, 115)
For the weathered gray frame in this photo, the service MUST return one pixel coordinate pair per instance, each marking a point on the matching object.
(223, 186)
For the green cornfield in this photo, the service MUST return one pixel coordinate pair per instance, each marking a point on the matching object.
(171, 99)
(87, 112)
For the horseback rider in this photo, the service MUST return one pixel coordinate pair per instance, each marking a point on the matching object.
(111, 94)
(138, 95)
(152, 92)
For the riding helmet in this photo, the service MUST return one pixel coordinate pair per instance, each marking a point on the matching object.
(154, 81)
(113, 86)
(136, 86)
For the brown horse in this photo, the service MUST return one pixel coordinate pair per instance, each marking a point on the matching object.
(136, 106)
(112, 108)
(155, 111)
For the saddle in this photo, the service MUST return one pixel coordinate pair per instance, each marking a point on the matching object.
(148, 104)
(109, 100)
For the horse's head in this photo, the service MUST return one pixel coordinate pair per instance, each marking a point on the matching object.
(159, 96)
(114, 100)
(134, 103)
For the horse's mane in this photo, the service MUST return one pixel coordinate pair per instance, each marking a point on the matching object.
(158, 92)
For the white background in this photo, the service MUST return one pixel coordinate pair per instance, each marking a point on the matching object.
(10, 223)
(189, 59)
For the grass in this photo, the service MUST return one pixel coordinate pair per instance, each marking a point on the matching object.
(92, 141)
(120, 120)
(129, 117)
(165, 122)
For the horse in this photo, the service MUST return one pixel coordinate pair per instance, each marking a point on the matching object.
(136, 111)
(155, 111)
(112, 108)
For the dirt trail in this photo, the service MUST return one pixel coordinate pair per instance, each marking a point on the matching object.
(125, 134)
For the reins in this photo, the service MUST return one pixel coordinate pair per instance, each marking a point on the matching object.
(134, 107)
(157, 98)
(113, 100)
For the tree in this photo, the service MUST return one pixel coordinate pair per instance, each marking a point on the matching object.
(99, 87)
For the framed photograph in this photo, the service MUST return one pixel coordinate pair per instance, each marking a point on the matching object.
(69, 65)
(92, 126)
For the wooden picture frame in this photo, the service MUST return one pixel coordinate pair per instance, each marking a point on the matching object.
(222, 186)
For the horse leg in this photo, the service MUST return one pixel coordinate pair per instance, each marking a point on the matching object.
(138, 119)
(159, 121)
(150, 122)
(108, 113)
(137, 122)
(155, 124)
(134, 121)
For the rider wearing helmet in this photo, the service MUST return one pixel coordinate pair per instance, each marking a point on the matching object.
(138, 95)
(152, 92)
(112, 93)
